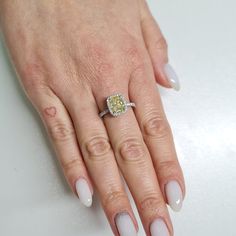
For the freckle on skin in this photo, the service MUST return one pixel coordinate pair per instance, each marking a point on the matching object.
(50, 111)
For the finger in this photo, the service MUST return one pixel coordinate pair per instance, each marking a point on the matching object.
(157, 48)
(62, 134)
(100, 161)
(157, 135)
(134, 161)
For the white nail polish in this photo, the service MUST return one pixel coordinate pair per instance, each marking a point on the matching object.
(159, 228)
(125, 225)
(83, 191)
(174, 195)
(172, 77)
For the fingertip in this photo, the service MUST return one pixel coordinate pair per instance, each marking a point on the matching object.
(172, 77)
(160, 77)
(166, 76)
(174, 195)
(83, 191)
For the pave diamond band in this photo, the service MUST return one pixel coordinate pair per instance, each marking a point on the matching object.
(116, 105)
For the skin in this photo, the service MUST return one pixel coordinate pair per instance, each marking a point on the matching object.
(69, 56)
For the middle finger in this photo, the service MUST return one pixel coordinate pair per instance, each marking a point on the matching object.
(100, 161)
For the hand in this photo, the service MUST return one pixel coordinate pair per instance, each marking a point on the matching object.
(71, 55)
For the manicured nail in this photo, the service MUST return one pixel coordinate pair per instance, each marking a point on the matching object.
(172, 77)
(174, 195)
(159, 228)
(83, 191)
(125, 225)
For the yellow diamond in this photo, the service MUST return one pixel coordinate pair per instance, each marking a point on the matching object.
(116, 104)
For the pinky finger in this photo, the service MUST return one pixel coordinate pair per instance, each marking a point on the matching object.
(158, 50)
(62, 134)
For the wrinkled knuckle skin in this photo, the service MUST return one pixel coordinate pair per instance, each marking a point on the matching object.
(95, 51)
(133, 50)
(114, 198)
(132, 150)
(104, 76)
(99, 59)
(104, 69)
(33, 77)
(139, 72)
(60, 131)
(157, 127)
(161, 44)
(97, 148)
(152, 204)
(134, 55)
(69, 165)
(168, 169)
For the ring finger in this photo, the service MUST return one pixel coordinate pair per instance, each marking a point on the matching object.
(135, 162)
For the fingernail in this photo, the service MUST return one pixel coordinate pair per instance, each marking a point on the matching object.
(125, 225)
(159, 228)
(172, 77)
(83, 191)
(174, 195)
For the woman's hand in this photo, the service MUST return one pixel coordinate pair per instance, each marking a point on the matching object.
(70, 56)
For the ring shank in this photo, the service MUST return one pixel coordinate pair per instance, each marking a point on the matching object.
(103, 113)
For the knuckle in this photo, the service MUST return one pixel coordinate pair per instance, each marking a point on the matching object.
(152, 204)
(103, 76)
(161, 43)
(32, 70)
(133, 53)
(132, 150)
(168, 168)
(156, 126)
(33, 77)
(104, 69)
(132, 50)
(139, 72)
(60, 131)
(100, 67)
(97, 148)
(70, 164)
(99, 58)
(138, 77)
(114, 198)
(95, 50)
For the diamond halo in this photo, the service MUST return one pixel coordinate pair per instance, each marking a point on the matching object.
(116, 105)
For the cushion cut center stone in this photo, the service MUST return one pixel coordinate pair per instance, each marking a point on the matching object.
(116, 104)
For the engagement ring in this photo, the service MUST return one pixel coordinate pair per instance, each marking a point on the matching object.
(116, 105)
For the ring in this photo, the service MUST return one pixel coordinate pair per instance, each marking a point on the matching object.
(116, 105)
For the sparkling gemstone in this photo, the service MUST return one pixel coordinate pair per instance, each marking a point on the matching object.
(116, 104)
